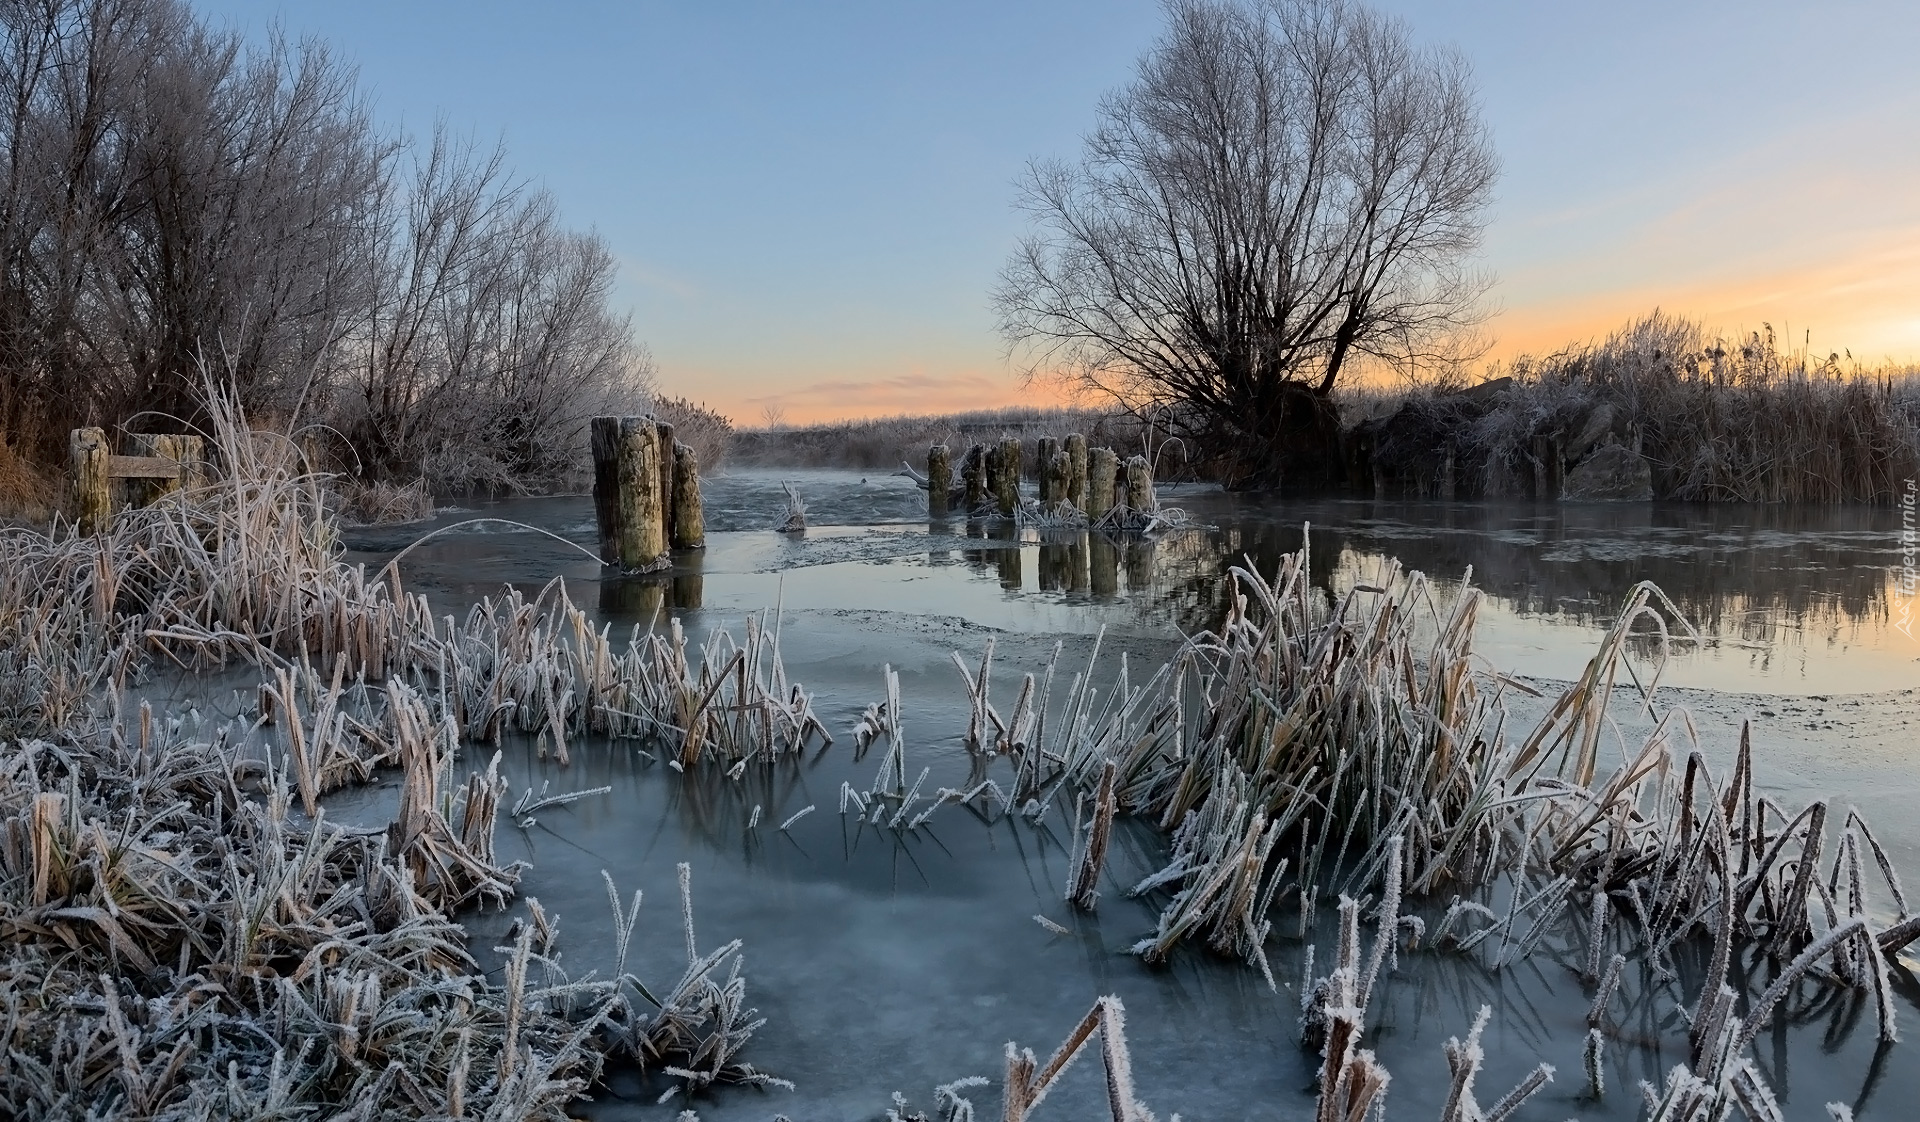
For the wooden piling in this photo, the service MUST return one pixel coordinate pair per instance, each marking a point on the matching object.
(1447, 483)
(1008, 476)
(973, 475)
(637, 494)
(689, 517)
(1042, 462)
(92, 486)
(1077, 470)
(646, 492)
(1103, 466)
(606, 486)
(668, 450)
(1140, 485)
(1055, 474)
(939, 480)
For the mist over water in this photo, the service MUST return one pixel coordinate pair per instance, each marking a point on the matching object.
(891, 960)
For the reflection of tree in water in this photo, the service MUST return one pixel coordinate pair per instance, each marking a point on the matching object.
(1749, 576)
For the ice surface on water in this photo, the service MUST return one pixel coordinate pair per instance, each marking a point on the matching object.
(888, 960)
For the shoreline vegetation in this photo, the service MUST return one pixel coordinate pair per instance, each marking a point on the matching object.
(1658, 410)
(190, 937)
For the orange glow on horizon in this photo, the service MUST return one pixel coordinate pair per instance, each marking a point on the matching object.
(1866, 304)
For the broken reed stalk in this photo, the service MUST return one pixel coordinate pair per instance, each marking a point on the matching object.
(1093, 853)
(1027, 1081)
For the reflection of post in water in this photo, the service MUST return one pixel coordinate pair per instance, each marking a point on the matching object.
(1055, 566)
(688, 590)
(645, 600)
(638, 601)
(940, 528)
(1077, 562)
(1007, 557)
(1139, 565)
(1103, 563)
(1009, 560)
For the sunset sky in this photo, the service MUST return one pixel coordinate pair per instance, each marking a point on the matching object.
(811, 202)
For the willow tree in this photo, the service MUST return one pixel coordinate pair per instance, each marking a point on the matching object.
(1285, 187)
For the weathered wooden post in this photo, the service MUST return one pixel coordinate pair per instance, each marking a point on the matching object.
(1042, 461)
(973, 474)
(667, 474)
(92, 486)
(939, 480)
(1103, 466)
(1009, 475)
(646, 492)
(186, 453)
(638, 534)
(689, 516)
(605, 432)
(1077, 470)
(1140, 485)
(1447, 475)
(1055, 473)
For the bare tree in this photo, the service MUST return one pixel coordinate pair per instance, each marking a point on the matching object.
(170, 195)
(1286, 185)
(490, 342)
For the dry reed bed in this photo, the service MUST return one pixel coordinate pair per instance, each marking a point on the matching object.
(226, 962)
(1718, 420)
(249, 567)
(178, 946)
(1357, 748)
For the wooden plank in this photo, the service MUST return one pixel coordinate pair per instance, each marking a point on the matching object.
(142, 467)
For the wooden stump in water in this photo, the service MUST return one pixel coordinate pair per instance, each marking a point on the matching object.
(637, 492)
(1103, 466)
(689, 517)
(606, 486)
(92, 486)
(1077, 470)
(667, 474)
(646, 492)
(1043, 459)
(939, 480)
(1140, 485)
(1055, 473)
(1007, 473)
(973, 475)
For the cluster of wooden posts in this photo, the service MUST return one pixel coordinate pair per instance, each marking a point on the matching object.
(1092, 481)
(156, 464)
(646, 492)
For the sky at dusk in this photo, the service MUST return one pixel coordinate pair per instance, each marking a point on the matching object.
(810, 203)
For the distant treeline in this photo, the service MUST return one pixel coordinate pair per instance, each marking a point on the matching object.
(878, 443)
(173, 196)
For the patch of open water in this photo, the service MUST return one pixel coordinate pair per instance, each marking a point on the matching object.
(894, 961)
